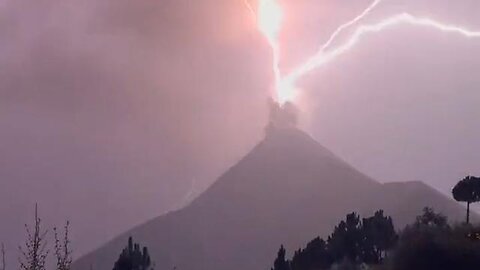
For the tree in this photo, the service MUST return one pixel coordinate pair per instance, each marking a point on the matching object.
(379, 237)
(4, 264)
(346, 239)
(63, 253)
(429, 218)
(35, 252)
(280, 262)
(314, 256)
(430, 243)
(133, 258)
(353, 244)
(467, 190)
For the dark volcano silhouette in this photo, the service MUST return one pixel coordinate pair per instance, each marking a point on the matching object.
(287, 190)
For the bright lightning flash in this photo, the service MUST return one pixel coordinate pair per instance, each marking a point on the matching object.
(269, 24)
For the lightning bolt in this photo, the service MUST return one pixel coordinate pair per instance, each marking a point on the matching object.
(349, 23)
(323, 57)
(285, 86)
(269, 22)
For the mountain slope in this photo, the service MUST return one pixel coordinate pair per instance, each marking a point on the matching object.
(287, 190)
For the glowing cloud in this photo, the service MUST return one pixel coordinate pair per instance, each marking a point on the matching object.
(269, 23)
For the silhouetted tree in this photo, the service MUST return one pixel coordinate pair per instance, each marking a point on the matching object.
(281, 263)
(467, 190)
(63, 253)
(133, 258)
(346, 239)
(429, 218)
(35, 252)
(353, 243)
(314, 256)
(4, 264)
(379, 237)
(430, 243)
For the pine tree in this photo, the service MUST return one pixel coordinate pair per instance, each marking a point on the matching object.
(467, 190)
(4, 264)
(280, 262)
(133, 258)
(379, 237)
(314, 256)
(346, 239)
(353, 244)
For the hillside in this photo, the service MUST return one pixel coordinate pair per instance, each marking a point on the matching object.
(287, 190)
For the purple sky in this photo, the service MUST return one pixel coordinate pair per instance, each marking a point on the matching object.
(109, 109)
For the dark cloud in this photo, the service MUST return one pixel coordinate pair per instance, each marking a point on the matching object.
(109, 109)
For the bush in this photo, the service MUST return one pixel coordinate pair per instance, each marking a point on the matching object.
(435, 245)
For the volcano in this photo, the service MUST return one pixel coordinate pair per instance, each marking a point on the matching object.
(287, 190)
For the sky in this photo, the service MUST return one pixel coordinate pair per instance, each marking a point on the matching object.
(113, 112)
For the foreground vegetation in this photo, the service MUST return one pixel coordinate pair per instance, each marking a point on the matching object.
(355, 243)
(372, 243)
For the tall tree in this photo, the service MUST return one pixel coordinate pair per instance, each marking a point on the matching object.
(314, 256)
(35, 253)
(4, 264)
(467, 190)
(379, 237)
(63, 253)
(281, 263)
(346, 239)
(133, 258)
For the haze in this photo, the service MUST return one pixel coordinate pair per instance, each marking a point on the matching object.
(113, 112)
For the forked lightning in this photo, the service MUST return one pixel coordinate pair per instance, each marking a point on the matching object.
(269, 17)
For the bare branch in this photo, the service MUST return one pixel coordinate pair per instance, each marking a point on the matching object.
(35, 252)
(62, 249)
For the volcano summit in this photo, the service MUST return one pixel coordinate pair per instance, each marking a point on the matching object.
(287, 190)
